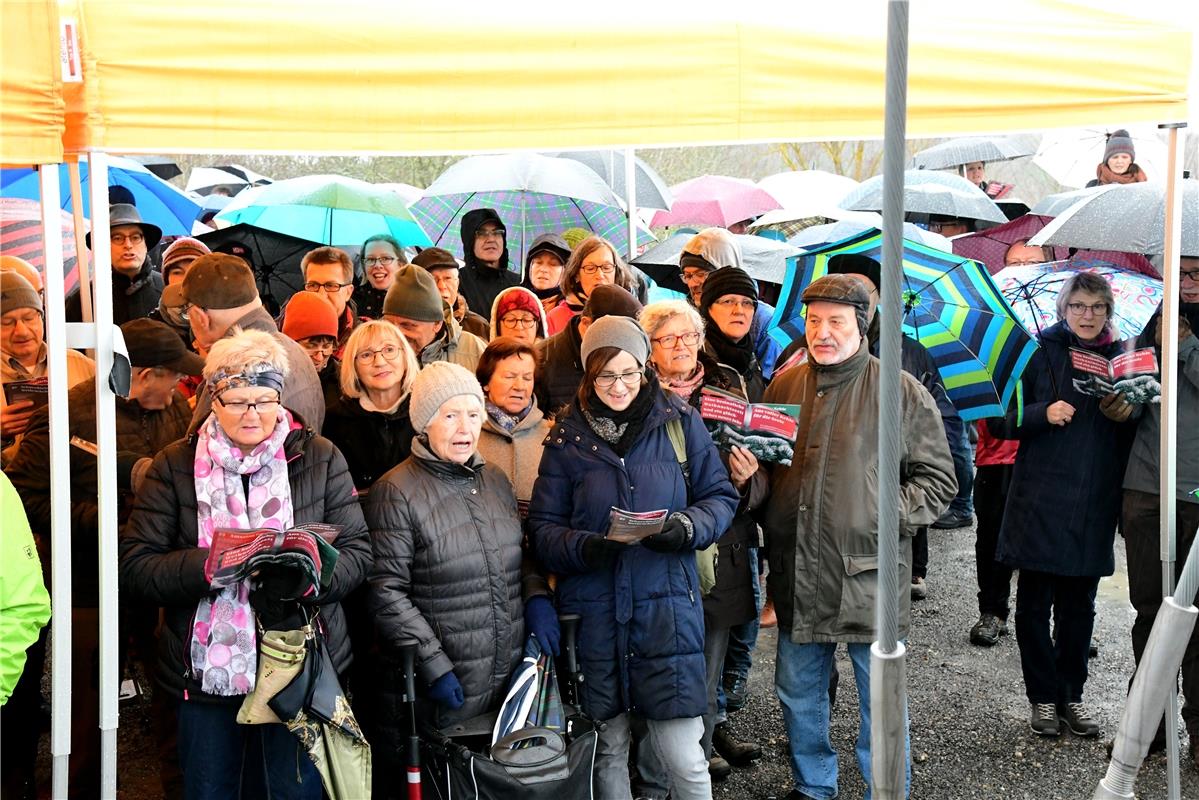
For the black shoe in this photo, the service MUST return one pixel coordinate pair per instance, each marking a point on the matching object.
(796, 794)
(735, 751)
(1044, 721)
(987, 630)
(718, 768)
(919, 588)
(1093, 650)
(736, 692)
(952, 521)
(1078, 718)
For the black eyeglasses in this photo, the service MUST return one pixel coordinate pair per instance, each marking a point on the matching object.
(330, 286)
(241, 409)
(385, 261)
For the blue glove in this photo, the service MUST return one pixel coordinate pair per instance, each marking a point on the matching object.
(542, 621)
(447, 691)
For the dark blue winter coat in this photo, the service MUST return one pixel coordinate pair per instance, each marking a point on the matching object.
(641, 637)
(1065, 495)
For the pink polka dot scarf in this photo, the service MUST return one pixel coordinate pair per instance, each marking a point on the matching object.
(223, 643)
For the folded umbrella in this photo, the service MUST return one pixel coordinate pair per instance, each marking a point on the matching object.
(951, 306)
(533, 699)
(715, 200)
(929, 192)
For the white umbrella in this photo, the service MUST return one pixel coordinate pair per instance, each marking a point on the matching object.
(407, 192)
(1072, 156)
(967, 150)
(1054, 205)
(1130, 218)
(929, 192)
(807, 189)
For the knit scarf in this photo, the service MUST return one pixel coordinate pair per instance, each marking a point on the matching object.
(738, 355)
(507, 421)
(223, 643)
(1105, 175)
(685, 387)
(620, 429)
(1099, 342)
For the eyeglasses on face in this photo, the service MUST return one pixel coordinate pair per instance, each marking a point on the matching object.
(671, 339)
(329, 286)
(730, 303)
(591, 269)
(605, 379)
(131, 238)
(693, 275)
(389, 352)
(518, 322)
(489, 233)
(383, 261)
(263, 407)
(1192, 274)
(1080, 309)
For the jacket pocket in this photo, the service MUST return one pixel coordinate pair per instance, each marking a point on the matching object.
(859, 588)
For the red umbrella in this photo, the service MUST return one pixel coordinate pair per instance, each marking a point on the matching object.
(991, 245)
(21, 236)
(715, 200)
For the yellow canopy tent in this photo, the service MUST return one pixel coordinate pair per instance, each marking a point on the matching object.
(359, 77)
(31, 101)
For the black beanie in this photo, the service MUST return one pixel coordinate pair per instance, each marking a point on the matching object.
(844, 263)
(727, 280)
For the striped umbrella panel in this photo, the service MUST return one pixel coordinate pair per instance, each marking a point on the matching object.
(951, 306)
(21, 236)
(526, 215)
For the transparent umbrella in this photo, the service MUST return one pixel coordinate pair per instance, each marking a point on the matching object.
(929, 192)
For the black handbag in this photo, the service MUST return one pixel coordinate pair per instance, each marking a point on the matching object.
(316, 690)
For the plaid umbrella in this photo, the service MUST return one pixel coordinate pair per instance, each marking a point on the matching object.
(533, 699)
(1032, 290)
(21, 236)
(951, 306)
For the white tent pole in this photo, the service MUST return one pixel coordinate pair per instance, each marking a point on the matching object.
(630, 191)
(60, 482)
(888, 661)
(81, 254)
(1168, 459)
(106, 478)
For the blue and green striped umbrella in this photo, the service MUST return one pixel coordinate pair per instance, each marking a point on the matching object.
(951, 306)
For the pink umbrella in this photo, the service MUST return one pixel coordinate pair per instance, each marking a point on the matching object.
(21, 236)
(715, 200)
(989, 247)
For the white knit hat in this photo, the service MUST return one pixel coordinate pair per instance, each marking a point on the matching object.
(435, 384)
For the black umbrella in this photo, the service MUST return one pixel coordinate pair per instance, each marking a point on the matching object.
(161, 166)
(274, 257)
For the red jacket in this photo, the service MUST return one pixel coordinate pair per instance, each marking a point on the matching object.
(992, 451)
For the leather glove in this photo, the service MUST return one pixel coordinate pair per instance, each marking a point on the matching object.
(1115, 407)
(673, 537)
(600, 552)
(273, 597)
(447, 691)
(542, 621)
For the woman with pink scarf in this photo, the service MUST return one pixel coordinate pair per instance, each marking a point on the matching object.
(252, 463)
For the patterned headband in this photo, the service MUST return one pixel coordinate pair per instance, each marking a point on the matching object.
(223, 381)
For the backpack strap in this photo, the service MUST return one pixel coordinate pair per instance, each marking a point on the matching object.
(678, 440)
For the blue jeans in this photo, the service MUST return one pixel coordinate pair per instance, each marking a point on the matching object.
(801, 677)
(742, 639)
(222, 760)
(963, 467)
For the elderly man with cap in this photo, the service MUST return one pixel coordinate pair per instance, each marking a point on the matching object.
(485, 249)
(821, 521)
(444, 268)
(311, 322)
(152, 416)
(136, 285)
(561, 356)
(708, 251)
(23, 357)
(178, 256)
(414, 305)
(222, 299)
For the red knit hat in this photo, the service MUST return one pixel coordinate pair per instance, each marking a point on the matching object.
(309, 314)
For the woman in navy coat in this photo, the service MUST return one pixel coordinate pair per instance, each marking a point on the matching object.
(641, 637)
(1063, 505)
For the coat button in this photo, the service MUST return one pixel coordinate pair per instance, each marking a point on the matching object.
(593, 447)
(803, 506)
(820, 393)
(559, 441)
(474, 491)
(577, 438)
(632, 488)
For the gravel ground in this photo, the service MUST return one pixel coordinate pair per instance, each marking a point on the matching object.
(969, 716)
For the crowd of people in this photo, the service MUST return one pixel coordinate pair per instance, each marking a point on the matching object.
(466, 428)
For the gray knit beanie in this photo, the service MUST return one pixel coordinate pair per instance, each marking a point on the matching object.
(413, 295)
(16, 292)
(616, 331)
(435, 384)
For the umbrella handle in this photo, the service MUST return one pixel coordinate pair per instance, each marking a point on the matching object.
(408, 665)
(569, 624)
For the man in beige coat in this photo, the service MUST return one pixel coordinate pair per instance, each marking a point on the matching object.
(821, 521)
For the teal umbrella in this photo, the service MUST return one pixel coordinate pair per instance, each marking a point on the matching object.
(951, 306)
(328, 209)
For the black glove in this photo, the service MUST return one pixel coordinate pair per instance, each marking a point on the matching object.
(600, 552)
(673, 537)
(274, 596)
